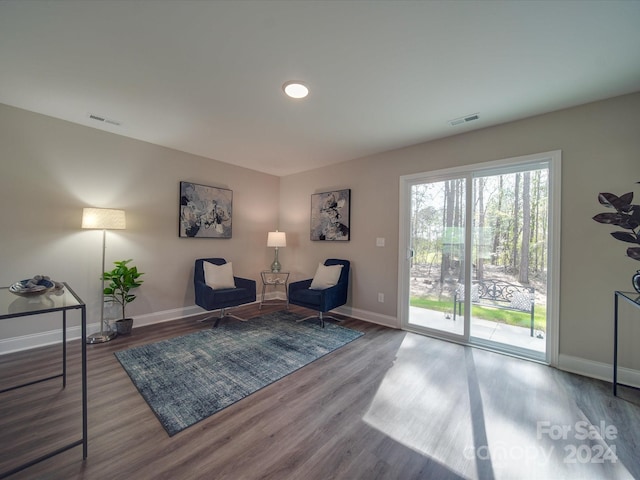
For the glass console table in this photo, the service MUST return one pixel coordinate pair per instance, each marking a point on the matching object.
(634, 299)
(14, 306)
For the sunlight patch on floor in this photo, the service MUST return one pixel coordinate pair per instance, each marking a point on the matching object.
(452, 404)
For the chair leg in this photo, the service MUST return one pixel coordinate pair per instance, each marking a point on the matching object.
(320, 317)
(218, 319)
(307, 318)
(223, 314)
(231, 315)
(210, 317)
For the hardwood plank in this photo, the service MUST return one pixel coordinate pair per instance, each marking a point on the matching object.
(390, 405)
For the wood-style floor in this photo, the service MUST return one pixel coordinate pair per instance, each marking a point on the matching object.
(390, 405)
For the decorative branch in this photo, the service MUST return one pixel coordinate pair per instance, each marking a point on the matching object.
(627, 216)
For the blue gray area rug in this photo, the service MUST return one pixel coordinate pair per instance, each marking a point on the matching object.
(189, 378)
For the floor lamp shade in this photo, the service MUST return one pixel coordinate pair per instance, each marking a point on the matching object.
(103, 219)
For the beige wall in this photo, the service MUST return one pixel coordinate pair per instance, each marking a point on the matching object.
(600, 145)
(51, 169)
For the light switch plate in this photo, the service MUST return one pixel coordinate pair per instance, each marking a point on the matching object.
(380, 242)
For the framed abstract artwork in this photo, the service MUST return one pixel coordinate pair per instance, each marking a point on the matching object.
(205, 212)
(331, 216)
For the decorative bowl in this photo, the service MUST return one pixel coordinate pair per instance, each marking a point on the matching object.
(20, 288)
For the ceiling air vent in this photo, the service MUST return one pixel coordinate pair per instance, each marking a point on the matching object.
(98, 118)
(465, 119)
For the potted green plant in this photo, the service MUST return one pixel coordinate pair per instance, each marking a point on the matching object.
(626, 216)
(122, 279)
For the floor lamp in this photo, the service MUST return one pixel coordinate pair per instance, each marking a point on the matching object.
(103, 219)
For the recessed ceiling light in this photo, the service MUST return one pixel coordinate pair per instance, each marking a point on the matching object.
(295, 89)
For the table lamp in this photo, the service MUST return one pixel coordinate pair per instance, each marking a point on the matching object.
(276, 239)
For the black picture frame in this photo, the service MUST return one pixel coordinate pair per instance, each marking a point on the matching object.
(331, 216)
(205, 212)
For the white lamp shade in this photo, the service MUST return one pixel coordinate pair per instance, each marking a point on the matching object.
(277, 239)
(103, 218)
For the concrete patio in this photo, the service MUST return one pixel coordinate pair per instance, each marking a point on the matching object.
(480, 328)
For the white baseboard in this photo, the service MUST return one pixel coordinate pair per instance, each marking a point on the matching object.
(52, 337)
(167, 315)
(372, 317)
(581, 366)
(272, 296)
(42, 339)
(598, 370)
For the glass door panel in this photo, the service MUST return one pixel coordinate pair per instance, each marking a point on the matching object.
(509, 261)
(437, 244)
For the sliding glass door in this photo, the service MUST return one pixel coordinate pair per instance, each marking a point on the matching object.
(477, 245)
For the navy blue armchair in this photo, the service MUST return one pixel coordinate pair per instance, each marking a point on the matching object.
(223, 298)
(321, 300)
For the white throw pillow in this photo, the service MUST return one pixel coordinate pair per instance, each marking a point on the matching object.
(218, 276)
(326, 276)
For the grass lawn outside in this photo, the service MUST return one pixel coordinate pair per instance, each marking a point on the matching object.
(509, 317)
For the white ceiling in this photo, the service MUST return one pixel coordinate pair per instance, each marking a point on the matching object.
(205, 77)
